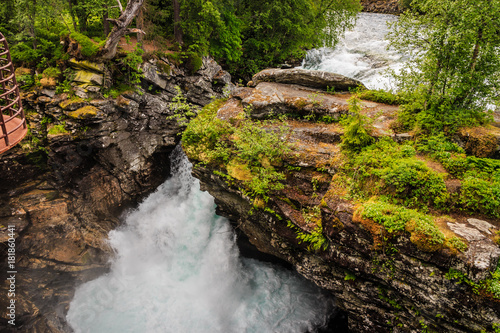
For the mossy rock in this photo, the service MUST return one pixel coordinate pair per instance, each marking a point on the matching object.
(85, 112)
(72, 104)
(480, 141)
(87, 65)
(88, 78)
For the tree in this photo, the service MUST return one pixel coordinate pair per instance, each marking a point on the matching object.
(121, 27)
(453, 69)
(249, 35)
(177, 21)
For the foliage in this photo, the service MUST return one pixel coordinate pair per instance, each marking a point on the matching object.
(480, 190)
(89, 48)
(52, 72)
(315, 238)
(274, 31)
(249, 150)
(183, 110)
(349, 276)
(480, 195)
(357, 131)
(489, 286)
(454, 64)
(132, 61)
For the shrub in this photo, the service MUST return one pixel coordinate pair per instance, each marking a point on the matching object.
(481, 195)
(357, 131)
(388, 168)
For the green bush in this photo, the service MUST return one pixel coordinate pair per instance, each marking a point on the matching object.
(356, 128)
(388, 168)
(481, 196)
(52, 72)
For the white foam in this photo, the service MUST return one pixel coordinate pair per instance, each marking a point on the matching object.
(362, 54)
(177, 269)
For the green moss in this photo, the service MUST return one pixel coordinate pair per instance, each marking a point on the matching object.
(89, 49)
(423, 231)
(87, 111)
(66, 104)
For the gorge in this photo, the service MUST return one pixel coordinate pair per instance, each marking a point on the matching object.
(117, 152)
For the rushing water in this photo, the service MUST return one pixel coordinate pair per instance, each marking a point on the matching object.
(362, 54)
(177, 269)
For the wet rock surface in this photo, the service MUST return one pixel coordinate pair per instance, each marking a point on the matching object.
(66, 193)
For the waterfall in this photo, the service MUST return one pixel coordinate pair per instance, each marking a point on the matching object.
(177, 269)
(362, 54)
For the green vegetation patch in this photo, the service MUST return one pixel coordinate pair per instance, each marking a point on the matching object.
(252, 150)
(379, 96)
(424, 232)
(480, 177)
(89, 48)
(57, 130)
(487, 287)
(388, 168)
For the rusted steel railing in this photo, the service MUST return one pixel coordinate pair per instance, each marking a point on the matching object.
(12, 121)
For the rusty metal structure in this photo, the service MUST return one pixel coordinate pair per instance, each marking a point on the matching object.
(13, 126)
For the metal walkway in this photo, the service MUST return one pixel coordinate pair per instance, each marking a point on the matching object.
(12, 121)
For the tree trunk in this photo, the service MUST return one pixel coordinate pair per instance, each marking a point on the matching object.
(120, 28)
(140, 24)
(31, 28)
(105, 22)
(177, 22)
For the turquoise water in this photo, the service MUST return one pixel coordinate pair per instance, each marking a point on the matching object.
(177, 269)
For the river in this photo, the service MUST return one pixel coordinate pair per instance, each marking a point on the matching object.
(177, 267)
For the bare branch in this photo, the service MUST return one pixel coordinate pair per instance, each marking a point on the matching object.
(120, 6)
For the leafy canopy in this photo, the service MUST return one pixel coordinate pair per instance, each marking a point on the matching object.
(454, 65)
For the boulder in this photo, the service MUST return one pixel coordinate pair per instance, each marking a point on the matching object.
(307, 78)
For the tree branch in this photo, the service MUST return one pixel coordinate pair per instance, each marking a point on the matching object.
(120, 6)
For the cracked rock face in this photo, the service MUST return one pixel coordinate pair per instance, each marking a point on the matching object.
(483, 253)
(64, 203)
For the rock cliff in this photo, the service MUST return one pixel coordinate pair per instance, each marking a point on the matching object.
(386, 281)
(84, 163)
